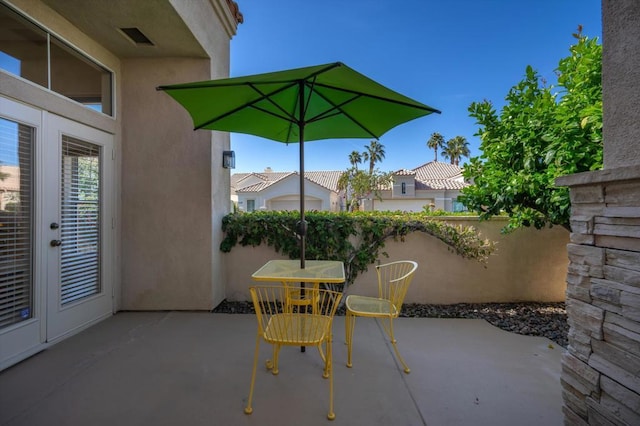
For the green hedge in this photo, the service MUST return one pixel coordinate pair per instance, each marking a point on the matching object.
(356, 238)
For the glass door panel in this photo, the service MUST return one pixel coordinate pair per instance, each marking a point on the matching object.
(80, 200)
(16, 222)
(21, 332)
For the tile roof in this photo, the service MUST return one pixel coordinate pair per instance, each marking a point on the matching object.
(326, 179)
(266, 180)
(440, 184)
(438, 175)
(437, 170)
(435, 175)
(431, 175)
(404, 172)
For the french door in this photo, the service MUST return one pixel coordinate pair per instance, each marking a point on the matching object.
(56, 237)
(77, 226)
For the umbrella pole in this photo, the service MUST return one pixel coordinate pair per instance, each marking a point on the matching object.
(302, 228)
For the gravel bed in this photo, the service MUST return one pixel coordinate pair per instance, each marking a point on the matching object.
(533, 319)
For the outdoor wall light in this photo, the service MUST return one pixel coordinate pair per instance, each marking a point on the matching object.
(229, 159)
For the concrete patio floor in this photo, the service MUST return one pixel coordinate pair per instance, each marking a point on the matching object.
(194, 368)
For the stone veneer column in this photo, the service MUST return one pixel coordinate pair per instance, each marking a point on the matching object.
(601, 368)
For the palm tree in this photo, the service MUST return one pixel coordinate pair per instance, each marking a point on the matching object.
(435, 142)
(455, 149)
(374, 154)
(355, 158)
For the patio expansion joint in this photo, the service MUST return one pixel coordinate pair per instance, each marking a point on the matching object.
(400, 372)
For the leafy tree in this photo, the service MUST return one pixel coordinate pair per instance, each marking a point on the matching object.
(355, 158)
(358, 184)
(353, 183)
(540, 134)
(3, 175)
(455, 149)
(435, 142)
(374, 154)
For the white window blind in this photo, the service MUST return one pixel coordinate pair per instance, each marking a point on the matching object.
(80, 230)
(16, 222)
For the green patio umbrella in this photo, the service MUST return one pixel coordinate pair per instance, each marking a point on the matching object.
(304, 104)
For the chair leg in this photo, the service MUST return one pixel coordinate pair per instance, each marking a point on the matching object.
(249, 409)
(324, 355)
(346, 328)
(272, 364)
(329, 369)
(395, 347)
(276, 358)
(350, 323)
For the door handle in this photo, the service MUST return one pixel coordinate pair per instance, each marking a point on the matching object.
(55, 243)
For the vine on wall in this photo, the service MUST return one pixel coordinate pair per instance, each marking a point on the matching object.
(356, 238)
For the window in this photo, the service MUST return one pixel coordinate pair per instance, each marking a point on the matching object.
(251, 205)
(404, 187)
(16, 222)
(458, 206)
(38, 56)
(80, 254)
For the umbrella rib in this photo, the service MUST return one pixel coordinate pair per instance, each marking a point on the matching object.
(291, 118)
(338, 109)
(285, 117)
(297, 121)
(263, 96)
(381, 98)
(311, 88)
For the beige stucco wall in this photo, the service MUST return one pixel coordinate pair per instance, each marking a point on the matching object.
(175, 190)
(166, 189)
(529, 265)
(171, 189)
(414, 201)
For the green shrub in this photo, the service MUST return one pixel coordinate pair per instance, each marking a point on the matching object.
(357, 238)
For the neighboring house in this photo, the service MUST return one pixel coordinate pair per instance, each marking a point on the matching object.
(434, 184)
(9, 186)
(281, 191)
(113, 201)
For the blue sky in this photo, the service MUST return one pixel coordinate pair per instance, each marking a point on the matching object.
(446, 54)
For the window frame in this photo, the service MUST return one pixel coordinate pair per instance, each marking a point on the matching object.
(54, 38)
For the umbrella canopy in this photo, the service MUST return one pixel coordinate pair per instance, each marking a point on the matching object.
(328, 101)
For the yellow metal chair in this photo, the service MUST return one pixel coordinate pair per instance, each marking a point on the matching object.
(393, 282)
(281, 323)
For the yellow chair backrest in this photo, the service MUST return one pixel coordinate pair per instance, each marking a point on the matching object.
(290, 322)
(393, 281)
